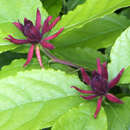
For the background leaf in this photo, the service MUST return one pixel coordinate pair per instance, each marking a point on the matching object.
(100, 33)
(117, 114)
(12, 11)
(53, 7)
(81, 118)
(85, 57)
(90, 10)
(126, 12)
(120, 57)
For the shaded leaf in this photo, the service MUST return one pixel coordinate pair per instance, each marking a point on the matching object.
(100, 33)
(53, 7)
(117, 114)
(85, 57)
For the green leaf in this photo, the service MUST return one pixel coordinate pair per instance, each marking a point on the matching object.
(71, 4)
(31, 99)
(120, 57)
(81, 118)
(89, 11)
(126, 12)
(53, 7)
(117, 114)
(12, 11)
(8, 70)
(85, 57)
(7, 57)
(100, 33)
(5, 30)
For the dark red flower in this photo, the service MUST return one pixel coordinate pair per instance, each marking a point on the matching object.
(35, 35)
(100, 85)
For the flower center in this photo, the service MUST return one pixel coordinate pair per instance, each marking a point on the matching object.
(99, 84)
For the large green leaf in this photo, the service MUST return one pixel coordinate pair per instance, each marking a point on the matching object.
(11, 11)
(14, 10)
(90, 10)
(85, 57)
(81, 118)
(120, 57)
(100, 33)
(118, 115)
(30, 100)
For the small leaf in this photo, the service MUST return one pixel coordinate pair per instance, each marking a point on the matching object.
(120, 57)
(117, 114)
(81, 118)
(31, 99)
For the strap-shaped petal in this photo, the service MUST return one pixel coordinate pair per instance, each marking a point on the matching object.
(114, 81)
(89, 97)
(85, 76)
(54, 23)
(38, 19)
(104, 71)
(19, 26)
(16, 41)
(99, 68)
(30, 55)
(55, 35)
(113, 98)
(98, 106)
(83, 91)
(47, 45)
(39, 56)
(45, 27)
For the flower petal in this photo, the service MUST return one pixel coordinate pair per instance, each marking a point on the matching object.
(16, 41)
(19, 26)
(85, 76)
(98, 106)
(45, 27)
(83, 91)
(30, 55)
(114, 99)
(55, 35)
(89, 97)
(104, 71)
(99, 68)
(54, 23)
(38, 19)
(45, 44)
(39, 56)
(114, 81)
